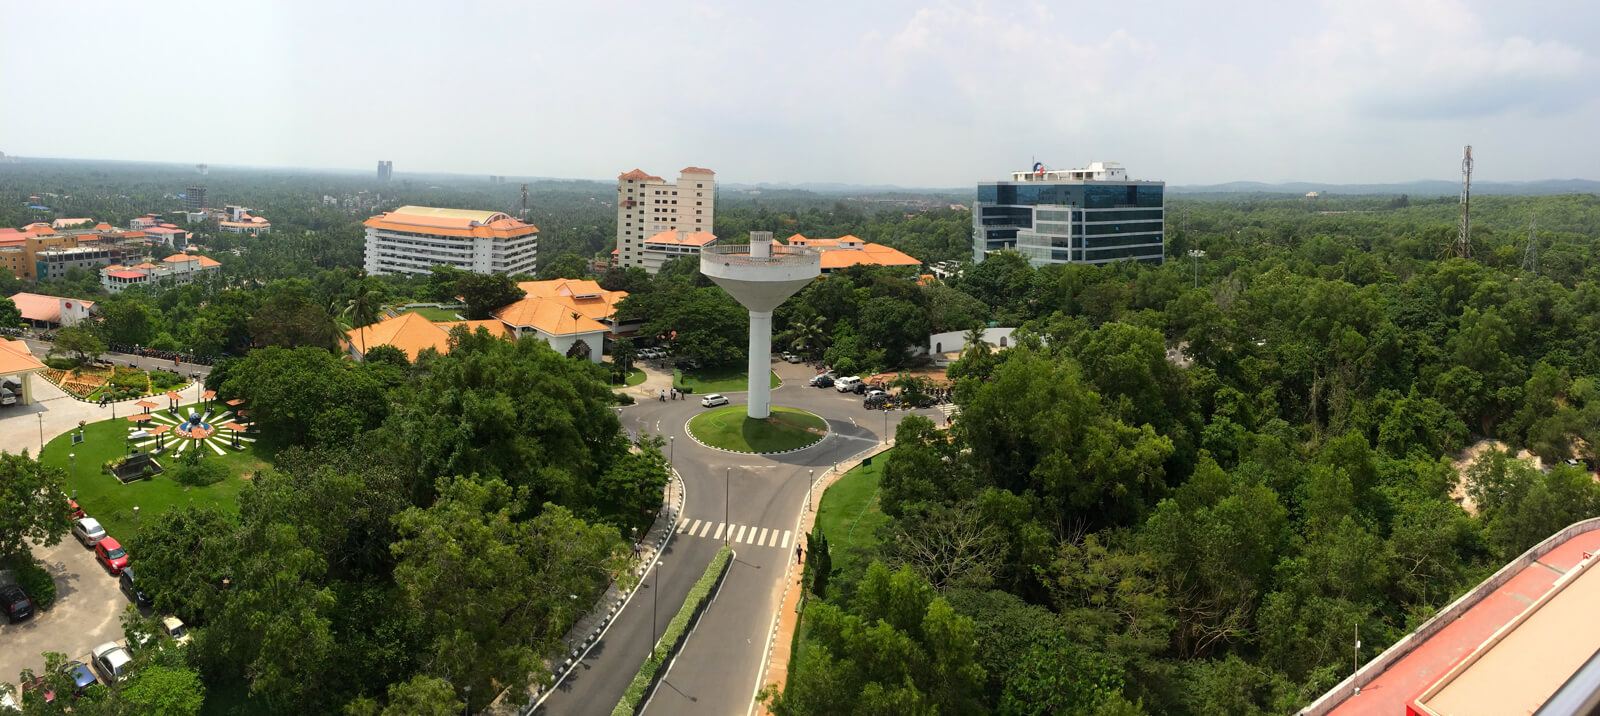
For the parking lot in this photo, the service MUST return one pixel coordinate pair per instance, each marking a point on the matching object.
(87, 612)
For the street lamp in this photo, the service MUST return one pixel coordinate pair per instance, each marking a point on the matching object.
(885, 426)
(74, 458)
(727, 485)
(655, 599)
(466, 708)
(136, 517)
(1196, 254)
(811, 484)
(41, 433)
(671, 448)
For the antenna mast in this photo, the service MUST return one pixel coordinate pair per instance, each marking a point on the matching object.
(524, 202)
(1530, 258)
(1464, 240)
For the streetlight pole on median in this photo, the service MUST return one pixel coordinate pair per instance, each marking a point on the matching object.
(672, 446)
(727, 486)
(41, 435)
(655, 599)
(811, 484)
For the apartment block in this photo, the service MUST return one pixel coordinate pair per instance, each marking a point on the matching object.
(648, 205)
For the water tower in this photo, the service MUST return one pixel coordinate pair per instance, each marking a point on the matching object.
(760, 276)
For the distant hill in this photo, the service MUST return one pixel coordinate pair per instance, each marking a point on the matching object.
(1422, 188)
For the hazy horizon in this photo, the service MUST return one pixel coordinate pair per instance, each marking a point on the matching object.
(937, 96)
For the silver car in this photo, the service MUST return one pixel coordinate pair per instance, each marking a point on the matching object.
(88, 531)
(111, 660)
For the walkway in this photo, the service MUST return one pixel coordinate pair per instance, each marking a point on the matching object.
(53, 412)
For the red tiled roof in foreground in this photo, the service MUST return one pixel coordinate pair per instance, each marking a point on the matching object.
(1457, 632)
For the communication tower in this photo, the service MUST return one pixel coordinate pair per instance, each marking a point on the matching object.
(1530, 258)
(524, 216)
(1464, 240)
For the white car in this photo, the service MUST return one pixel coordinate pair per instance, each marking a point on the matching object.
(111, 661)
(88, 531)
(846, 384)
(713, 400)
(175, 628)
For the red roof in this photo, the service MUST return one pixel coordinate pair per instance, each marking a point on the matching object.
(639, 175)
(696, 170)
(125, 274)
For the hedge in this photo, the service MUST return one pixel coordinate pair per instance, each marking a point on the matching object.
(35, 580)
(672, 638)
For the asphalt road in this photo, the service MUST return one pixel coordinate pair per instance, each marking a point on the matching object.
(40, 348)
(761, 497)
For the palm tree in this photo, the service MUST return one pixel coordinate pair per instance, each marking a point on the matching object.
(362, 309)
(975, 342)
(808, 335)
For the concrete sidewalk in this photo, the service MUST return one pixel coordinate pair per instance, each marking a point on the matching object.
(53, 413)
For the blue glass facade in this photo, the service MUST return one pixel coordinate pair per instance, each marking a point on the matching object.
(1071, 221)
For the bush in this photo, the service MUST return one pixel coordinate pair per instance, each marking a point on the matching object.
(129, 379)
(35, 580)
(61, 363)
(199, 473)
(162, 380)
(699, 594)
(625, 399)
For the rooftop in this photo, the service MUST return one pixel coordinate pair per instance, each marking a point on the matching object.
(682, 238)
(39, 307)
(550, 315)
(1096, 171)
(582, 295)
(16, 358)
(451, 222)
(412, 333)
(638, 175)
(848, 251)
(696, 170)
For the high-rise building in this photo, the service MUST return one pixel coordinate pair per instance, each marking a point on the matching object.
(1054, 216)
(648, 205)
(413, 239)
(195, 198)
(385, 170)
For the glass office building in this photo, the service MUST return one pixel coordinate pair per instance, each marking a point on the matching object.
(1053, 216)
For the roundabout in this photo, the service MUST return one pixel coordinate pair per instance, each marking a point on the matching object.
(784, 430)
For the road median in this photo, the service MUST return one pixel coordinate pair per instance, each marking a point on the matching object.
(676, 633)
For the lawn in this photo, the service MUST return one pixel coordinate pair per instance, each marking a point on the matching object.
(728, 428)
(112, 502)
(436, 314)
(715, 380)
(636, 377)
(849, 515)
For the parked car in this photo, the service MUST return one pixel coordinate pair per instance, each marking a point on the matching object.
(130, 587)
(111, 661)
(792, 358)
(82, 679)
(687, 364)
(875, 400)
(176, 629)
(846, 384)
(88, 531)
(822, 381)
(109, 552)
(18, 605)
(713, 400)
(858, 388)
(7, 397)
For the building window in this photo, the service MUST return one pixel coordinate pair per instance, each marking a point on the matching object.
(699, 186)
(697, 203)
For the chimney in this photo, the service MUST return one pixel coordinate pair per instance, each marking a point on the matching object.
(761, 244)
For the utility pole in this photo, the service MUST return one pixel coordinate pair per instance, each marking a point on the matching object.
(811, 484)
(727, 485)
(1530, 258)
(1357, 658)
(1196, 254)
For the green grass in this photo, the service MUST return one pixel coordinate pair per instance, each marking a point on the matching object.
(715, 380)
(849, 515)
(729, 429)
(111, 502)
(636, 377)
(676, 629)
(435, 314)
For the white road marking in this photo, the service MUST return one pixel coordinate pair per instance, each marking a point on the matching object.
(740, 538)
(688, 527)
(707, 528)
(786, 539)
(718, 535)
(763, 538)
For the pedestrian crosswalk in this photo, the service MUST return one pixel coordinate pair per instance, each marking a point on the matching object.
(738, 534)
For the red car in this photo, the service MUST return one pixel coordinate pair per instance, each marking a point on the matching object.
(73, 510)
(111, 554)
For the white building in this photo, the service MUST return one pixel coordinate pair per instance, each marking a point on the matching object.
(649, 205)
(413, 239)
(669, 245)
(174, 270)
(1094, 215)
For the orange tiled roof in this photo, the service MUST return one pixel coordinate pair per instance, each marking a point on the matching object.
(451, 222)
(696, 170)
(584, 296)
(410, 332)
(38, 307)
(208, 262)
(550, 315)
(875, 254)
(103, 226)
(179, 258)
(639, 175)
(143, 266)
(16, 358)
(697, 238)
(495, 328)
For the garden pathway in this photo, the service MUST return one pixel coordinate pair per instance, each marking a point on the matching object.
(54, 413)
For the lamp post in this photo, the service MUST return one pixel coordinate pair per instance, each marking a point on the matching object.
(655, 599)
(1196, 254)
(466, 708)
(811, 484)
(41, 433)
(671, 448)
(727, 485)
(72, 456)
(136, 517)
(885, 427)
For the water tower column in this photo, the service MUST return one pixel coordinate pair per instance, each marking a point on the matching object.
(760, 364)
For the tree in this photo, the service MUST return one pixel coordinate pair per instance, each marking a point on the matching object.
(708, 323)
(10, 315)
(631, 489)
(158, 689)
(364, 307)
(486, 293)
(306, 395)
(33, 505)
(467, 549)
(894, 326)
(78, 341)
(288, 318)
(565, 266)
(623, 354)
(126, 319)
(633, 279)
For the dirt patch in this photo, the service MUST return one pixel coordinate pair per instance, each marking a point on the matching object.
(1469, 457)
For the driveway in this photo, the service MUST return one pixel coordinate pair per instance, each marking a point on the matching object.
(87, 612)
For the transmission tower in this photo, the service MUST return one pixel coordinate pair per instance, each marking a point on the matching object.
(1530, 258)
(524, 202)
(1464, 240)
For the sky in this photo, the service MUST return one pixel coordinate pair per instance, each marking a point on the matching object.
(916, 94)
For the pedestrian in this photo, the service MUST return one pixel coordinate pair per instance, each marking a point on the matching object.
(663, 396)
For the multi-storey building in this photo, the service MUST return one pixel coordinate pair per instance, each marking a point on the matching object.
(648, 205)
(32, 256)
(54, 263)
(174, 270)
(194, 198)
(385, 170)
(1094, 215)
(413, 239)
(669, 245)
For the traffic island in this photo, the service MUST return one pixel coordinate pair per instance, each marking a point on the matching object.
(784, 430)
(676, 633)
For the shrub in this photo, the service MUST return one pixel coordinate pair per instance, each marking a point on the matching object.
(625, 399)
(129, 379)
(35, 580)
(61, 363)
(699, 594)
(162, 380)
(147, 472)
(199, 473)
